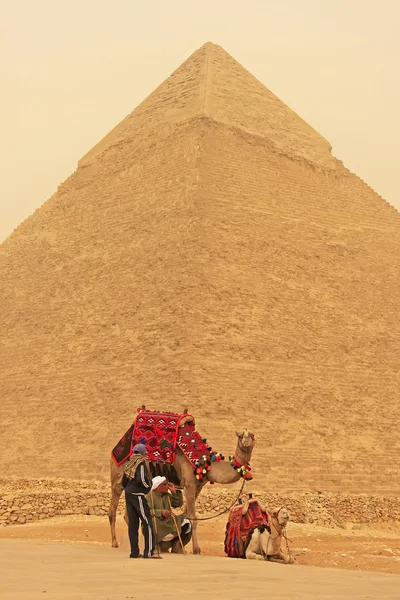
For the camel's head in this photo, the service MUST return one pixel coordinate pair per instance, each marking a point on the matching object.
(246, 441)
(281, 515)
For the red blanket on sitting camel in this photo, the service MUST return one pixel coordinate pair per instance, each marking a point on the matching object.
(162, 433)
(242, 519)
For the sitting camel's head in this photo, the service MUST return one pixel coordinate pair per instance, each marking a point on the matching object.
(245, 440)
(281, 515)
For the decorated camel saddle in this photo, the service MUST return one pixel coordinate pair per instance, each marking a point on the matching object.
(243, 519)
(162, 433)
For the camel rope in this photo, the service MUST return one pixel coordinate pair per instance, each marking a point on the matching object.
(284, 535)
(233, 503)
(287, 545)
(222, 512)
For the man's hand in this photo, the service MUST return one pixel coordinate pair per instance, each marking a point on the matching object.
(171, 487)
(166, 514)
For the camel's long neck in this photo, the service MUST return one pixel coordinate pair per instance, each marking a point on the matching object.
(276, 529)
(242, 455)
(222, 472)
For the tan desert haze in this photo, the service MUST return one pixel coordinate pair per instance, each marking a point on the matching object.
(71, 70)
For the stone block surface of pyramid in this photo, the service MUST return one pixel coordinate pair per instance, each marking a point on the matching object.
(209, 252)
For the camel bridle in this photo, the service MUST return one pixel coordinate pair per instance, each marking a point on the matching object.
(282, 529)
(245, 449)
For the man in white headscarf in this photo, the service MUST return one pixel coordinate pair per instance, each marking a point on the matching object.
(163, 498)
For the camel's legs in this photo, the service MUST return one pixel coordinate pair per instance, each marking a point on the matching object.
(191, 494)
(254, 549)
(279, 558)
(254, 556)
(112, 514)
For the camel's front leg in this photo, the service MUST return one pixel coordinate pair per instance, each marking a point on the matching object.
(112, 514)
(279, 558)
(288, 560)
(190, 494)
(250, 555)
(254, 550)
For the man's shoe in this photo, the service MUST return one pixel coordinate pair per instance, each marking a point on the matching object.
(136, 556)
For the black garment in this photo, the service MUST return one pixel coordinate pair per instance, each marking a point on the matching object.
(175, 542)
(138, 510)
(141, 483)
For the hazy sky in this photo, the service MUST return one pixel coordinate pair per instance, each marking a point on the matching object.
(72, 69)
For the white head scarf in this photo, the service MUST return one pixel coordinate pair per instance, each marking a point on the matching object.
(157, 481)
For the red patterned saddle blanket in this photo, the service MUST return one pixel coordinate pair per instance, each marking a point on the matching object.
(242, 519)
(162, 432)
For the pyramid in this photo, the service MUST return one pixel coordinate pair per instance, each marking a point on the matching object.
(211, 253)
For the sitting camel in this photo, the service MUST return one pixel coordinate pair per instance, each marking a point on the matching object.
(264, 542)
(220, 472)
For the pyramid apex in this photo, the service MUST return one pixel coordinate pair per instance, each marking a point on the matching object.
(210, 45)
(211, 83)
(209, 48)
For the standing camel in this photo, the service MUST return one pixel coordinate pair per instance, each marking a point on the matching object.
(220, 472)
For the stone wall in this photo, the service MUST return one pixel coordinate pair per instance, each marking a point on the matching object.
(24, 501)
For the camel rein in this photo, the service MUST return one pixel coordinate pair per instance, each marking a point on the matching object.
(223, 511)
(282, 533)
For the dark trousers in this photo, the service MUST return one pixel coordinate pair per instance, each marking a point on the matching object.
(138, 510)
(185, 537)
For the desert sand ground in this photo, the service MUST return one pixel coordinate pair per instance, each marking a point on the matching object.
(71, 558)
